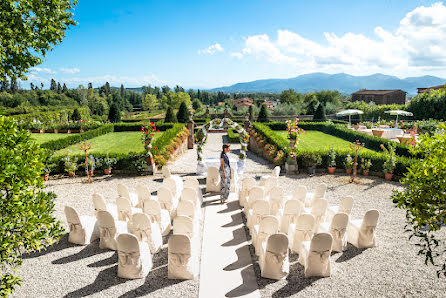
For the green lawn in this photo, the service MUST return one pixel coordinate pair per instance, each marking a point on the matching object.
(114, 142)
(316, 139)
(41, 138)
(144, 115)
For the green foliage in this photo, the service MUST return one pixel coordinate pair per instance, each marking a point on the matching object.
(150, 102)
(424, 199)
(196, 104)
(332, 158)
(114, 115)
(51, 116)
(107, 162)
(310, 159)
(251, 113)
(349, 162)
(366, 164)
(263, 114)
(429, 105)
(31, 29)
(26, 222)
(70, 164)
(183, 113)
(170, 116)
(390, 163)
(319, 115)
(290, 97)
(233, 137)
(373, 111)
(283, 109)
(76, 116)
(174, 99)
(165, 139)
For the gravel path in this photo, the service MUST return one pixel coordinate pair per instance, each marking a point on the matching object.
(392, 269)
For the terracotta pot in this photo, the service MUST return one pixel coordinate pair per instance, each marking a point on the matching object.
(46, 177)
(37, 130)
(51, 130)
(107, 171)
(388, 176)
(365, 173)
(348, 171)
(90, 172)
(331, 170)
(71, 174)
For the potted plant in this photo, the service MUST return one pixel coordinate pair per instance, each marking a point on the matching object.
(366, 164)
(332, 161)
(91, 161)
(348, 164)
(107, 163)
(311, 160)
(390, 163)
(70, 165)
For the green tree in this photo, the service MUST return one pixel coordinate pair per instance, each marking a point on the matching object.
(263, 114)
(31, 29)
(26, 222)
(165, 89)
(319, 115)
(76, 115)
(424, 198)
(174, 99)
(107, 89)
(114, 115)
(310, 101)
(59, 88)
(196, 104)
(170, 116)
(64, 89)
(150, 102)
(251, 113)
(53, 86)
(290, 96)
(183, 115)
(122, 90)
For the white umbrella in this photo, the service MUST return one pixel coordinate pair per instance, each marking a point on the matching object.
(399, 112)
(349, 113)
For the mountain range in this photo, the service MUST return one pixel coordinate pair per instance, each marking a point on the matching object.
(342, 82)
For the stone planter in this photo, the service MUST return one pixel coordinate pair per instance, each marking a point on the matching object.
(377, 132)
(291, 168)
(311, 170)
(91, 172)
(331, 170)
(388, 176)
(107, 171)
(348, 171)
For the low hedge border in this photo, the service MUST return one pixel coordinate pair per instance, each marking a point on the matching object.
(59, 116)
(137, 126)
(262, 134)
(233, 137)
(340, 131)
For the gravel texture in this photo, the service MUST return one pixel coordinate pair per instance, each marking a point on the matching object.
(392, 269)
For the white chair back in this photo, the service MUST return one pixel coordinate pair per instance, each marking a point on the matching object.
(171, 184)
(292, 207)
(123, 191)
(269, 225)
(346, 205)
(300, 193)
(124, 208)
(153, 209)
(276, 198)
(338, 229)
(143, 193)
(141, 226)
(260, 207)
(370, 220)
(248, 183)
(107, 230)
(320, 190)
(73, 218)
(276, 172)
(166, 172)
(305, 224)
(270, 183)
(183, 225)
(192, 182)
(186, 208)
(256, 193)
(98, 203)
(190, 194)
(274, 263)
(165, 197)
(180, 265)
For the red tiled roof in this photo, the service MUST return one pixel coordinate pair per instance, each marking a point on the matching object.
(376, 92)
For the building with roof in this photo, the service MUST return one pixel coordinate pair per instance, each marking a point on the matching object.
(271, 104)
(380, 97)
(242, 102)
(427, 89)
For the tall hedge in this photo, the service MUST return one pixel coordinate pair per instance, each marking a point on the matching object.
(183, 113)
(53, 116)
(263, 114)
(429, 105)
(170, 116)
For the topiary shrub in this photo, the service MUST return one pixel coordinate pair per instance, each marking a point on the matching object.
(183, 113)
(26, 222)
(76, 116)
(319, 115)
(263, 114)
(170, 116)
(114, 115)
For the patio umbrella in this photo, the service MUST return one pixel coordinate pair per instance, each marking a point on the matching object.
(398, 113)
(349, 113)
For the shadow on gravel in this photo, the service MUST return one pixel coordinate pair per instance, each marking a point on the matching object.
(231, 206)
(113, 259)
(88, 251)
(61, 244)
(349, 253)
(236, 220)
(242, 261)
(238, 237)
(247, 285)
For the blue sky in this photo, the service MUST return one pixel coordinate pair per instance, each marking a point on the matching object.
(205, 44)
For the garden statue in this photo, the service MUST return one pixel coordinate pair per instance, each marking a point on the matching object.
(147, 140)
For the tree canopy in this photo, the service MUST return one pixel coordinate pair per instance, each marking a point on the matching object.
(28, 30)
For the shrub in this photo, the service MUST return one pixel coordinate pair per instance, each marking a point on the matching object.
(310, 159)
(183, 113)
(263, 114)
(319, 115)
(233, 137)
(114, 114)
(332, 158)
(429, 105)
(170, 116)
(76, 116)
(26, 222)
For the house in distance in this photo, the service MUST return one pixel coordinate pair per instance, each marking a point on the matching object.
(380, 97)
(422, 90)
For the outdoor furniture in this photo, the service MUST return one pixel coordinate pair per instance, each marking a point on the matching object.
(337, 228)
(300, 231)
(182, 259)
(99, 204)
(256, 193)
(289, 214)
(167, 201)
(314, 255)
(146, 231)
(213, 180)
(125, 209)
(109, 230)
(268, 226)
(300, 193)
(361, 233)
(143, 194)
(259, 210)
(153, 209)
(83, 229)
(318, 210)
(125, 193)
(276, 200)
(247, 184)
(319, 193)
(273, 261)
(134, 258)
(345, 206)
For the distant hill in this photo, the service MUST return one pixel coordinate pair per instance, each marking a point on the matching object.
(342, 82)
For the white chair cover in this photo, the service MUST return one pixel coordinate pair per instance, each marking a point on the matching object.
(291, 211)
(167, 201)
(337, 228)
(125, 210)
(187, 208)
(193, 183)
(274, 173)
(267, 226)
(259, 210)
(153, 209)
(146, 230)
(276, 200)
(83, 229)
(315, 255)
(213, 180)
(319, 193)
(125, 193)
(247, 184)
(182, 261)
(143, 194)
(361, 233)
(270, 183)
(184, 225)
(134, 258)
(274, 260)
(109, 230)
(318, 210)
(300, 193)
(174, 184)
(256, 193)
(100, 205)
(166, 172)
(345, 206)
(301, 231)
(190, 194)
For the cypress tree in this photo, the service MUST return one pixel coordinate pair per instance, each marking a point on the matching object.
(170, 116)
(59, 88)
(183, 113)
(114, 115)
(122, 90)
(251, 113)
(76, 115)
(319, 115)
(53, 86)
(263, 114)
(107, 88)
(64, 88)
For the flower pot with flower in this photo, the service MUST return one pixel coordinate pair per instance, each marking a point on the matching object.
(70, 165)
(147, 136)
(311, 160)
(348, 164)
(291, 163)
(390, 163)
(107, 163)
(366, 164)
(331, 161)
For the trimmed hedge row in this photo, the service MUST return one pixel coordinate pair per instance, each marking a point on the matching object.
(267, 136)
(137, 126)
(233, 137)
(370, 142)
(62, 143)
(45, 117)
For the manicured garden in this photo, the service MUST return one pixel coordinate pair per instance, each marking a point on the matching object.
(41, 138)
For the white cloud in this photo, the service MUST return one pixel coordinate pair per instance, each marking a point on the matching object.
(42, 70)
(114, 80)
(418, 43)
(211, 50)
(70, 70)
